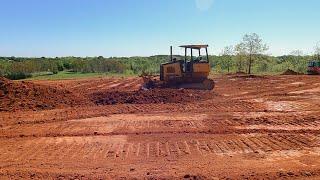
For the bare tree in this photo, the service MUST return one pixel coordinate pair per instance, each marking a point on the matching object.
(296, 59)
(297, 56)
(227, 53)
(297, 53)
(253, 46)
(240, 53)
(317, 51)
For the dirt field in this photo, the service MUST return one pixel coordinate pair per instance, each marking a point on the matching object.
(249, 127)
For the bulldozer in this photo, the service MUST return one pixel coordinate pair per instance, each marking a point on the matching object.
(191, 72)
(314, 68)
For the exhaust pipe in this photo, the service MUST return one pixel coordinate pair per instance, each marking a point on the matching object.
(171, 58)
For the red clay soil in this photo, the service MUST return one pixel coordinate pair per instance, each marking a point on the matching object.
(20, 95)
(150, 96)
(263, 128)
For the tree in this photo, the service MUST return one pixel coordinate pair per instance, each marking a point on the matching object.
(240, 55)
(298, 61)
(297, 53)
(227, 54)
(2, 70)
(317, 51)
(296, 57)
(253, 47)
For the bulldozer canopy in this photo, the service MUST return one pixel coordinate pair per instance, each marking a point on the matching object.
(194, 46)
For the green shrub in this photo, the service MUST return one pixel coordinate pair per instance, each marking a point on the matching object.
(60, 67)
(18, 75)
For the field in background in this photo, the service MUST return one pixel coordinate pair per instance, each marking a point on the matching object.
(22, 68)
(73, 75)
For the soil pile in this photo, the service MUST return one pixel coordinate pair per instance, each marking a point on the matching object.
(291, 72)
(151, 96)
(20, 95)
(248, 76)
(237, 73)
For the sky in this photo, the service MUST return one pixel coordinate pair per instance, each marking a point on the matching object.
(36, 28)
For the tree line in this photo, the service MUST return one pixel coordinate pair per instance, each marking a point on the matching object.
(21, 68)
(247, 56)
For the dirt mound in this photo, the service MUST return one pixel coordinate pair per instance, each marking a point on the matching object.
(20, 95)
(247, 76)
(237, 73)
(151, 96)
(291, 72)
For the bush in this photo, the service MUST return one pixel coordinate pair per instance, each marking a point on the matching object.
(60, 67)
(128, 72)
(19, 68)
(18, 75)
(2, 70)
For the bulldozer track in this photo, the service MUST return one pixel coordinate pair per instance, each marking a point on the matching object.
(160, 123)
(95, 148)
(80, 113)
(274, 124)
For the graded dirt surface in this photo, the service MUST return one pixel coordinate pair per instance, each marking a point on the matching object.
(249, 127)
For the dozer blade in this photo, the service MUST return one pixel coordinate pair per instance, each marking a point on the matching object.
(207, 84)
(153, 82)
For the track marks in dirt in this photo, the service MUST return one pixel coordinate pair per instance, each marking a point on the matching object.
(293, 126)
(124, 124)
(100, 84)
(100, 148)
(162, 123)
(276, 118)
(87, 112)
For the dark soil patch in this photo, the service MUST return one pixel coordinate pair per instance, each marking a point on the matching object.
(237, 73)
(151, 96)
(247, 76)
(291, 72)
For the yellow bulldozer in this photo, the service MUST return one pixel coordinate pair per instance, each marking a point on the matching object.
(191, 72)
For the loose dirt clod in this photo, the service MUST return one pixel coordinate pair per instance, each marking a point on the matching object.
(150, 96)
(20, 95)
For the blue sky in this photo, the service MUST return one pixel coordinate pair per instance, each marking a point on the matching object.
(148, 27)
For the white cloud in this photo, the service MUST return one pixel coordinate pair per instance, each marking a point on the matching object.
(204, 5)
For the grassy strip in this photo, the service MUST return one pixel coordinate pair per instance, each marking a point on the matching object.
(73, 75)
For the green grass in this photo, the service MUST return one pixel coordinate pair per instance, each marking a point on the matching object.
(72, 75)
(76, 75)
(253, 73)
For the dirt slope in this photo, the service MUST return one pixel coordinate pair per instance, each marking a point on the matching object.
(20, 95)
